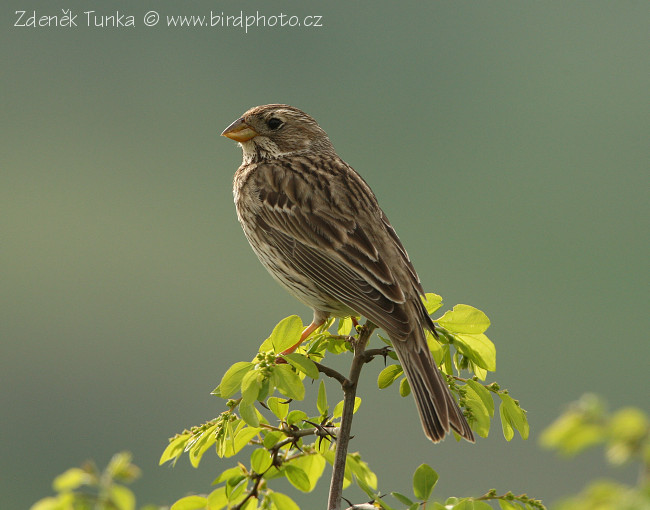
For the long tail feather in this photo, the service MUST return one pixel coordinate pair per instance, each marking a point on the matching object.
(438, 409)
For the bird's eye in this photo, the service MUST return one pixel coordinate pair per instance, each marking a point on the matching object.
(274, 123)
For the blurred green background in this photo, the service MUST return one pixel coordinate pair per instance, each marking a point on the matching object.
(506, 140)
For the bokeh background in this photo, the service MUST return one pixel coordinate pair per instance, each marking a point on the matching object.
(506, 140)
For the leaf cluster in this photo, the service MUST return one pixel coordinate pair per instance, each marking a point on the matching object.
(625, 435)
(424, 481)
(463, 328)
(87, 488)
(280, 436)
(295, 444)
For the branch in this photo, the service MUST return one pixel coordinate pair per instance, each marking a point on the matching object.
(370, 354)
(493, 387)
(350, 392)
(509, 496)
(330, 372)
(294, 435)
(253, 492)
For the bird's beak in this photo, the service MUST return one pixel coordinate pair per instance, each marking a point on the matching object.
(239, 131)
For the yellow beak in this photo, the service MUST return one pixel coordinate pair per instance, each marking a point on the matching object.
(239, 131)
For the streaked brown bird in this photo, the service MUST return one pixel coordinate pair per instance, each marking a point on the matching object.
(316, 226)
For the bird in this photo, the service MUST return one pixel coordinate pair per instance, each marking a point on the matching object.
(316, 226)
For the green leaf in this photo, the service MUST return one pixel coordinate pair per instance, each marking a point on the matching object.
(251, 504)
(278, 407)
(336, 346)
(464, 319)
(261, 460)
(484, 394)
(313, 466)
(274, 472)
(338, 409)
(437, 349)
(288, 383)
(506, 505)
(628, 424)
(302, 363)
(446, 365)
(122, 498)
(478, 348)
(235, 488)
(250, 386)
(120, 467)
(344, 327)
(190, 503)
(329, 456)
(248, 413)
(480, 414)
(283, 502)
(234, 472)
(296, 416)
(242, 438)
(506, 426)
(479, 372)
(226, 439)
(571, 434)
(271, 438)
(217, 499)
(404, 387)
(200, 444)
(388, 376)
(402, 498)
(285, 334)
(464, 504)
(265, 387)
(482, 505)
(514, 416)
(372, 494)
(321, 401)
(470, 504)
(71, 479)
(432, 302)
(387, 342)
(355, 466)
(297, 477)
(232, 379)
(424, 480)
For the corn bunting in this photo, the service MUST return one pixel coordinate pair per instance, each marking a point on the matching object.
(316, 226)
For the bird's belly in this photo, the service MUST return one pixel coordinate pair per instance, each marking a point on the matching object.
(301, 287)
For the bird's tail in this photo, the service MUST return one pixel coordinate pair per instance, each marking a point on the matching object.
(438, 409)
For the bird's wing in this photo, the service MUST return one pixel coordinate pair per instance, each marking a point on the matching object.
(327, 224)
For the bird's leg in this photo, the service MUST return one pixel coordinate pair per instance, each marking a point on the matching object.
(315, 324)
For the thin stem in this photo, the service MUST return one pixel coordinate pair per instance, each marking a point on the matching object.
(343, 438)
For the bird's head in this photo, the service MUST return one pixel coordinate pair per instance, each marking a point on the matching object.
(276, 130)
